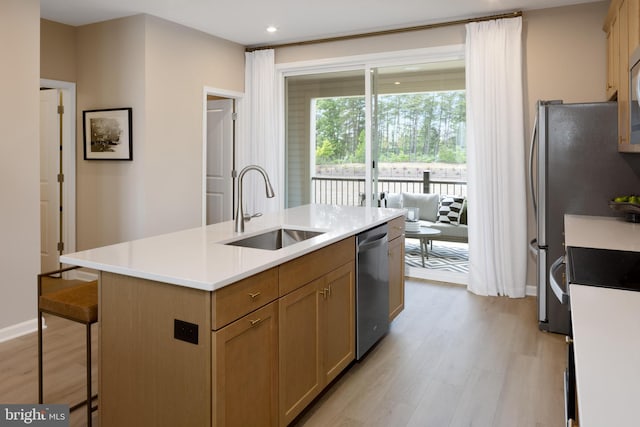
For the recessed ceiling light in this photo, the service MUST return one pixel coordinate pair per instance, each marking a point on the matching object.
(396, 83)
(271, 29)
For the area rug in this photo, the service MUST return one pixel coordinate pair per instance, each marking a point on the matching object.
(443, 256)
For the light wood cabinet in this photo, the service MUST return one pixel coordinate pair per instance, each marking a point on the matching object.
(396, 277)
(245, 370)
(146, 376)
(612, 58)
(622, 26)
(634, 24)
(396, 267)
(338, 321)
(623, 72)
(300, 378)
(317, 338)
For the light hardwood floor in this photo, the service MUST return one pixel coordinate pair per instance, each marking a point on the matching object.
(451, 359)
(64, 367)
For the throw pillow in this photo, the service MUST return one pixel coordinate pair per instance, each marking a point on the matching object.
(426, 202)
(393, 200)
(450, 209)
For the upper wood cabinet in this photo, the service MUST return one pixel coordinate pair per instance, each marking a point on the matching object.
(634, 24)
(613, 33)
(622, 26)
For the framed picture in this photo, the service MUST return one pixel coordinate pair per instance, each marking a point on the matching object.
(107, 134)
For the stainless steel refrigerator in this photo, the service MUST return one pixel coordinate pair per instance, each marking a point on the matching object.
(575, 168)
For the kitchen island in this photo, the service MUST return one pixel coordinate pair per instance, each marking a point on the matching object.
(197, 332)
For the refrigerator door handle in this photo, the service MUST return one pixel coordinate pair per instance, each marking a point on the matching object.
(542, 285)
(563, 296)
(532, 188)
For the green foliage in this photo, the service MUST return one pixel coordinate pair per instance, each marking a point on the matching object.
(452, 155)
(416, 127)
(326, 152)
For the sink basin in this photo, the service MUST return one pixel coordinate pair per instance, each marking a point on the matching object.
(275, 239)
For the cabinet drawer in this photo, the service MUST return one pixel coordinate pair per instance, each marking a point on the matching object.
(236, 300)
(395, 228)
(303, 270)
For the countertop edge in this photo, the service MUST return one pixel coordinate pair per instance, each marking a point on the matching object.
(75, 259)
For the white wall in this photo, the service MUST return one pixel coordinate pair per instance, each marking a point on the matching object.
(20, 161)
(159, 69)
(179, 63)
(110, 74)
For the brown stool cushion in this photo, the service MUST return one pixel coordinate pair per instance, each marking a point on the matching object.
(79, 303)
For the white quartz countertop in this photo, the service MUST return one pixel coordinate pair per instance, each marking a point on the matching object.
(601, 232)
(198, 257)
(607, 354)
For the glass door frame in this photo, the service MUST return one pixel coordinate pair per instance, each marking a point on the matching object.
(368, 63)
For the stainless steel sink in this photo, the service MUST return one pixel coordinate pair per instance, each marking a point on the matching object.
(275, 239)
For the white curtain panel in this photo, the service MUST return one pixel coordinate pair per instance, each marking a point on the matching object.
(496, 158)
(258, 136)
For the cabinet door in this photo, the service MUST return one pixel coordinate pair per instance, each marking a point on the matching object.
(299, 344)
(623, 79)
(245, 374)
(338, 321)
(634, 24)
(396, 277)
(614, 57)
(611, 64)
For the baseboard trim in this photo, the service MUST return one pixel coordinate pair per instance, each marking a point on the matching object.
(437, 275)
(18, 330)
(84, 275)
(531, 290)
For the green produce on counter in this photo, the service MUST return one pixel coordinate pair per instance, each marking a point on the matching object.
(627, 199)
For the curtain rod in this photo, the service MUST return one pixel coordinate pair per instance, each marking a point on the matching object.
(386, 32)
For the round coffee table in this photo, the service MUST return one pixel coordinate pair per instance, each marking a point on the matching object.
(424, 235)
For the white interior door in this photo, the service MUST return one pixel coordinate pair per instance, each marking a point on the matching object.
(49, 186)
(219, 160)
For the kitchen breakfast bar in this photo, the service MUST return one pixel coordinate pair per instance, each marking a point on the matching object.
(209, 327)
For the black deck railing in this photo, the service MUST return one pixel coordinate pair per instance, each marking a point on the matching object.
(350, 191)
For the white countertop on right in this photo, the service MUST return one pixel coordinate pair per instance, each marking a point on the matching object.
(601, 232)
(607, 354)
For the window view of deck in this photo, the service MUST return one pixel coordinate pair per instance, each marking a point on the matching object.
(416, 133)
(417, 145)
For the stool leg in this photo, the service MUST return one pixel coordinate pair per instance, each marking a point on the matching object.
(89, 404)
(40, 386)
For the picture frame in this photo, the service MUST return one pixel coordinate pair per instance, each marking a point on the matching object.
(108, 134)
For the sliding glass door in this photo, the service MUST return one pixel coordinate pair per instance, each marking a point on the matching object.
(353, 135)
(419, 125)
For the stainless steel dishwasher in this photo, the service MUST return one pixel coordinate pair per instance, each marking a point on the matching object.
(372, 288)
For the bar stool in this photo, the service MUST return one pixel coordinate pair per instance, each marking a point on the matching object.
(76, 301)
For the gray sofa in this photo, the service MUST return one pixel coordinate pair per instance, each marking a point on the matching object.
(429, 203)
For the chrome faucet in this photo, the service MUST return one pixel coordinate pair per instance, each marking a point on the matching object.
(239, 226)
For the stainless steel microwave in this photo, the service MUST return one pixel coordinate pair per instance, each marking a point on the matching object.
(634, 97)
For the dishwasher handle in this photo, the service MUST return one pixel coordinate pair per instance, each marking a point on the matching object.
(563, 296)
(372, 242)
